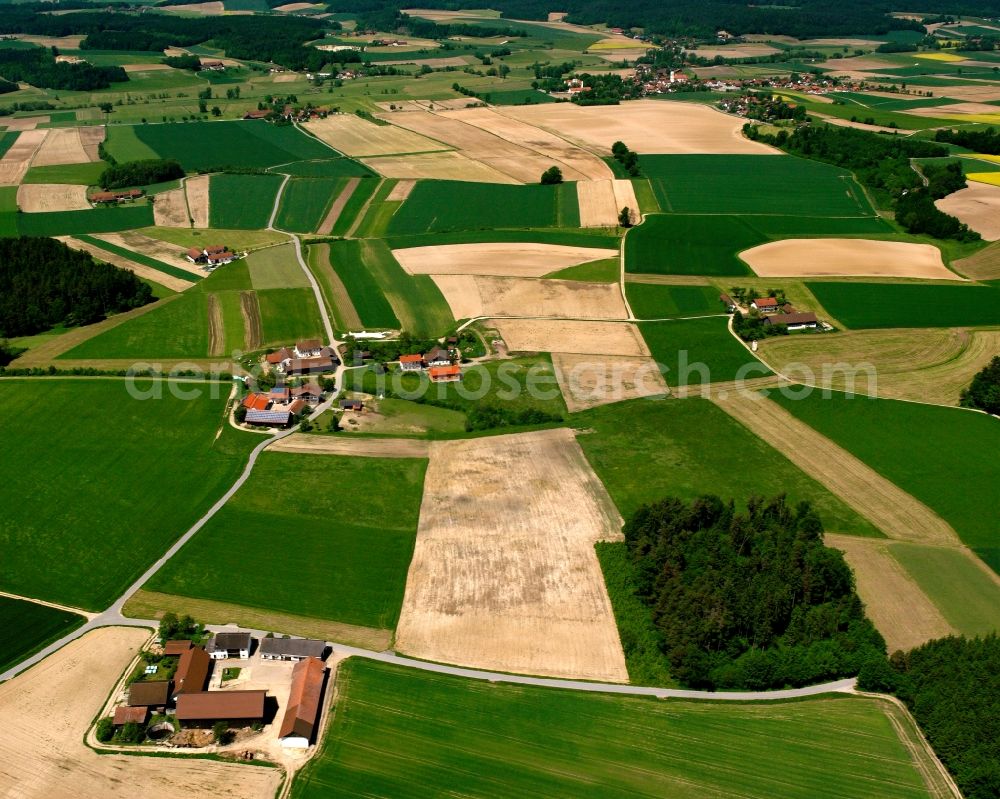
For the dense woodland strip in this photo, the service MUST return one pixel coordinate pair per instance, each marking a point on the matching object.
(748, 601)
(44, 283)
(984, 393)
(38, 66)
(140, 173)
(979, 141)
(882, 163)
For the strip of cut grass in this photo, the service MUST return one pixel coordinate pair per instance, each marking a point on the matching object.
(330, 536)
(361, 194)
(242, 201)
(100, 497)
(696, 351)
(29, 627)
(880, 305)
(645, 450)
(276, 268)
(232, 321)
(945, 457)
(400, 732)
(305, 202)
(753, 184)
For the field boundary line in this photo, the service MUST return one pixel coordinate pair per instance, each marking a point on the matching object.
(363, 211)
(87, 614)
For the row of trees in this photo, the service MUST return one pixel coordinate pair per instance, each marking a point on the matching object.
(43, 283)
(882, 163)
(38, 66)
(980, 141)
(750, 600)
(140, 173)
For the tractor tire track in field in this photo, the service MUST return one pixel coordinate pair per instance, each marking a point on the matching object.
(216, 328)
(896, 513)
(326, 226)
(253, 331)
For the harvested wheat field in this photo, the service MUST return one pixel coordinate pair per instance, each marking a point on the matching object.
(924, 365)
(504, 575)
(978, 205)
(212, 9)
(480, 145)
(436, 166)
(17, 159)
(90, 137)
(61, 146)
(162, 251)
(42, 197)
(196, 190)
(47, 710)
(848, 258)
(478, 295)
(647, 126)
(141, 270)
(984, 265)
(401, 191)
(59, 42)
(355, 136)
(602, 200)
(897, 606)
(736, 51)
(355, 446)
(591, 380)
(503, 259)
(170, 209)
(571, 337)
(884, 504)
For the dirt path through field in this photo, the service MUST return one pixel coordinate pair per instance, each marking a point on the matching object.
(334, 290)
(45, 197)
(17, 159)
(897, 606)
(326, 226)
(61, 146)
(170, 209)
(253, 332)
(216, 330)
(357, 446)
(196, 189)
(47, 710)
(504, 575)
(141, 270)
(888, 507)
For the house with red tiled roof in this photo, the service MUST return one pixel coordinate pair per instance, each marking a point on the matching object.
(411, 363)
(445, 374)
(255, 401)
(765, 305)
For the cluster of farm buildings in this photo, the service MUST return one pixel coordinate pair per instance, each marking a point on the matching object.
(189, 699)
(211, 257)
(437, 362)
(775, 313)
(116, 197)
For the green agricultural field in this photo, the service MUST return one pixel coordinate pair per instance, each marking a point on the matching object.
(350, 261)
(604, 270)
(29, 627)
(80, 174)
(94, 220)
(276, 268)
(406, 733)
(215, 145)
(644, 450)
(235, 240)
(380, 212)
(696, 351)
(355, 203)
(874, 305)
(900, 440)
(288, 315)
(445, 205)
(749, 184)
(7, 140)
(233, 327)
(582, 237)
(965, 593)
(139, 258)
(228, 277)
(102, 496)
(305, 202)
(8, 211)
(242, 201)
(709, 244)
(330, 536)
(178, 328)
(518, 97)
(328, 168)
(653, 301)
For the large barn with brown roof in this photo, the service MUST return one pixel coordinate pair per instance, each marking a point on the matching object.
(298, 727)
(149, 693)
(192, 672)
(208, 707)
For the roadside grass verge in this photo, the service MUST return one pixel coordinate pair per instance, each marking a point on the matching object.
(100, 499)
(348, 527)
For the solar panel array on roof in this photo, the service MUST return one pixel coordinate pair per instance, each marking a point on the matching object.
(268, 417)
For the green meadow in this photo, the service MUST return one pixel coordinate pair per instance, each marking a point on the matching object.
(93, 220)
(580, 237)
(361, 194)
(945, 457)
(747, 184)
(446, 205)
(331, 537)
(696, 351)
(102, 495)
(328, 168)
(877, 305)
(138, 257)
(288, 315)
(275, 268)
(81, 174)
(349, 262)
(242, 201)
(645, 450)
(405, 733)
(30, 627)
(305, 202)
(655, 301)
